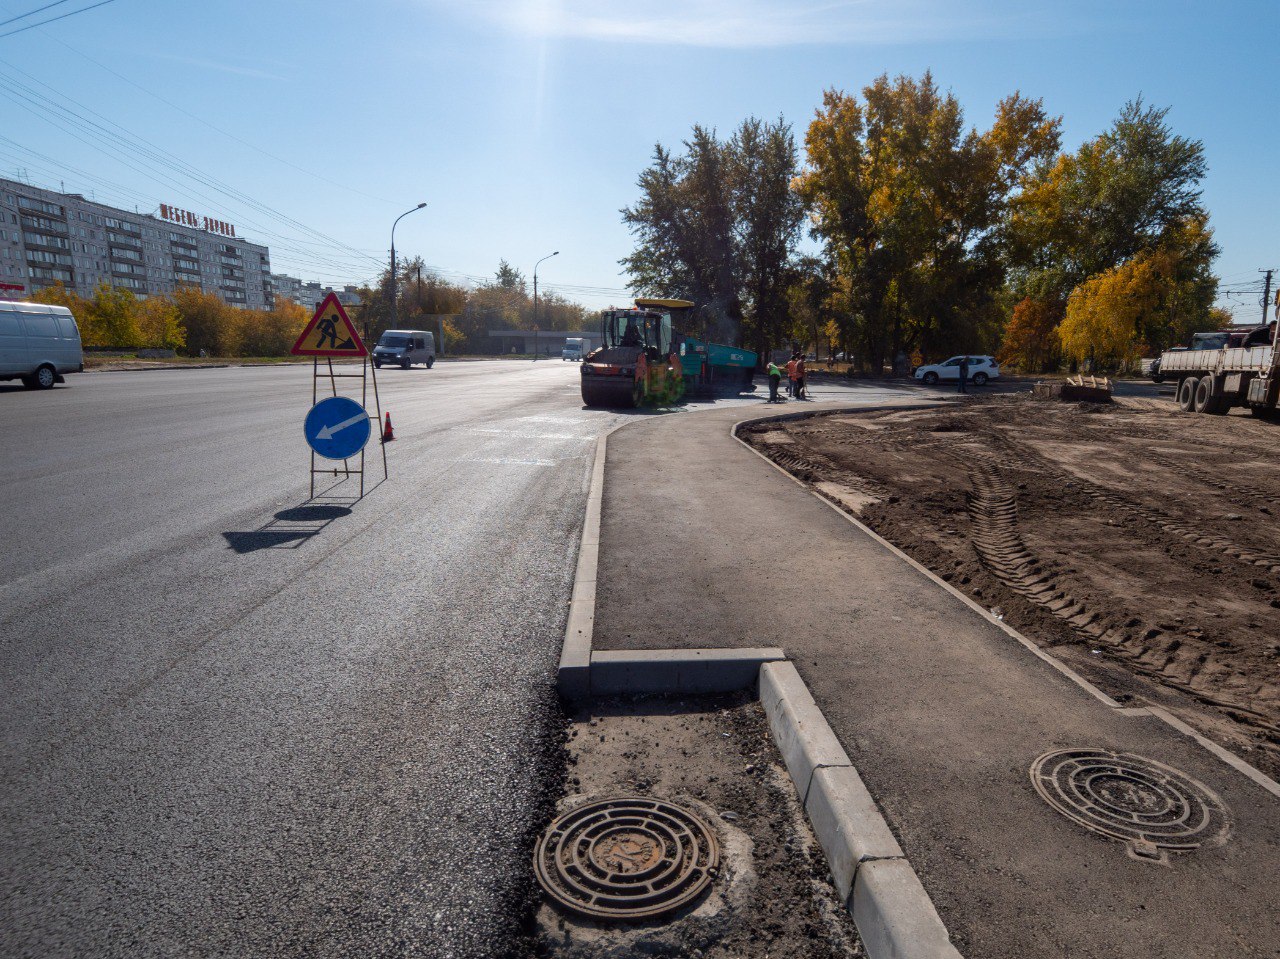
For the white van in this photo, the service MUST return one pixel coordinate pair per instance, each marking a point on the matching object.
(38, 344)
(573, 348)
(404, 348)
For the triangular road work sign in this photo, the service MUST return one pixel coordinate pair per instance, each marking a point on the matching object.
(330, 333)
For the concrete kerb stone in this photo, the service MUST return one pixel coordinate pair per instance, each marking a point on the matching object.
(893, 913)
(848, 825)
(799, 728)
(573, 675)
(658, 672)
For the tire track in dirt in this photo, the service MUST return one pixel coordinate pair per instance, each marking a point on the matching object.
(1147, 648)
(1192, 535)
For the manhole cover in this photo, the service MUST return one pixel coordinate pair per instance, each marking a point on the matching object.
(629, 858)
(1145, 803)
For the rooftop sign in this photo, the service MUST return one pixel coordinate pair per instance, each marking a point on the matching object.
(174, 215)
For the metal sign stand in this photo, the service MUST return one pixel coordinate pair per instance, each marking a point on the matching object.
(368, 372)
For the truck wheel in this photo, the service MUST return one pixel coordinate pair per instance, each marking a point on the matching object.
(431, 361)
(1187, 394)
(1208, 401)
(405, 364)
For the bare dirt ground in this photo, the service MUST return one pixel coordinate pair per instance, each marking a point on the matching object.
(1138, 543)
(773, 896)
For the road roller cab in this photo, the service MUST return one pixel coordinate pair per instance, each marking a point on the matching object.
(637, 362)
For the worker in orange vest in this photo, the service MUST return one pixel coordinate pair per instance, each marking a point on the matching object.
(791, 375)
(800, 371)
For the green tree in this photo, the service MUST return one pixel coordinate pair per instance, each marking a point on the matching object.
(1132, 190)
(718, 225)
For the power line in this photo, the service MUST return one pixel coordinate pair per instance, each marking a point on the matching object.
(32, 26)
(214, 127)
(32, 13)
(127, 145)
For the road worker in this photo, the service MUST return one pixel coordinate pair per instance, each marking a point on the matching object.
(775, 376)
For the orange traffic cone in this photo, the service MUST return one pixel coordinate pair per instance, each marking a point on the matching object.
(388, 434)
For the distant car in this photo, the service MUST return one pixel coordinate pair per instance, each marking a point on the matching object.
(38, 344)
(981, 369)
(404, 348)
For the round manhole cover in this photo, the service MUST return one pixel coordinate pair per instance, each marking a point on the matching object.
(1145, 803)
(627, 858)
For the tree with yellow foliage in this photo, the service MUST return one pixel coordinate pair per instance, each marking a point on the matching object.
(273, 332)
(160, 323)
(211, 325)
(1107, 316)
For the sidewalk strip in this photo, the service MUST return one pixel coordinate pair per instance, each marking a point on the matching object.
(879, 887)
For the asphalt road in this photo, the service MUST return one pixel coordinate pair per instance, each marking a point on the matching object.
(237, 724)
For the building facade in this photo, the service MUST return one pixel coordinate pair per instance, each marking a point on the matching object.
(48, 237)
(311, 294)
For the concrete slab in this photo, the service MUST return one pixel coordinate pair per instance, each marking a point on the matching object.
(940, 710)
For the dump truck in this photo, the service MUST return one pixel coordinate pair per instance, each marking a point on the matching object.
(1220, 372)
(644, 358)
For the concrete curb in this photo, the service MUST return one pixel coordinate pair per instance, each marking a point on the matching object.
(659, 672)
(895, 917)
(573, 676)
(1226, 756)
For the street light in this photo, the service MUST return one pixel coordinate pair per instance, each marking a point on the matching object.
(535, 303)
(393, 261)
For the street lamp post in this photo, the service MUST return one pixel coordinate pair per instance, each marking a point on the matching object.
(535, 302)
(393, 261)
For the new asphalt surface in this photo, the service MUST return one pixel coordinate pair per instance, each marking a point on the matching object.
(238, 724)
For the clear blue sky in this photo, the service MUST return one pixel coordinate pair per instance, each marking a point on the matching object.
(525, 124)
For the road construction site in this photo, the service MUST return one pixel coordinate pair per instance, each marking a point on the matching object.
(1137, 543)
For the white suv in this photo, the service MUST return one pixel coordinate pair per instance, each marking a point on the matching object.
(981, 369)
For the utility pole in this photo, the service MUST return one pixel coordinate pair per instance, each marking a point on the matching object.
(1266, 294)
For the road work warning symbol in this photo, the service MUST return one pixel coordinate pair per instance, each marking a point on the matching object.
(330, 333)
(337, 428)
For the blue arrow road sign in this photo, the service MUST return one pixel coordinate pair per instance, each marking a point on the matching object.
(337, 427)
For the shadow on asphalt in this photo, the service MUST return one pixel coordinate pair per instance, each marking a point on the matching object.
(289, 528)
